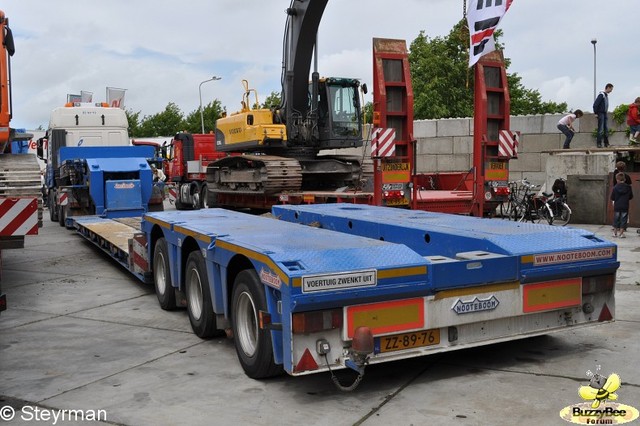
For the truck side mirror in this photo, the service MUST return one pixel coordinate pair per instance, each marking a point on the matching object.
(40, 143)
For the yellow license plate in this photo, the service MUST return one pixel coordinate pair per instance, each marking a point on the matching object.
(398, 202)
(398, 342)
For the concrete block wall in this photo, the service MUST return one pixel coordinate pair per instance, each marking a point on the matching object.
(447, 145)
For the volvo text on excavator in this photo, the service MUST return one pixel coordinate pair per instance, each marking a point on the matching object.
(282, 145)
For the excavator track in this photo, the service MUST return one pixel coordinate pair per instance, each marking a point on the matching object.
(254, 174)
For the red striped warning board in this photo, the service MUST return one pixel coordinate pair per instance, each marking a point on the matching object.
(383, 142)
(173, 194)
(18, 216)
(138, 248)
(508, 144)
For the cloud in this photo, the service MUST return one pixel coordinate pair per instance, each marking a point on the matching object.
(160, 51)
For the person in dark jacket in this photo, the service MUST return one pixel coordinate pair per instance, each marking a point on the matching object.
(620, 196)
(600, 108)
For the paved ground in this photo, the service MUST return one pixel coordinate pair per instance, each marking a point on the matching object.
(82, 334)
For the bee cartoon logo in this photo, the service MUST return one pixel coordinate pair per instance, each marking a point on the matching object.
(600, 408)
(600, 389)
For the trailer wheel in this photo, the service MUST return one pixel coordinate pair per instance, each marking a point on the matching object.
(203, 321)
(253, 345)
(162, 277)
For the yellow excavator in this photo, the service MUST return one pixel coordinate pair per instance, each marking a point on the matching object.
(280, 146)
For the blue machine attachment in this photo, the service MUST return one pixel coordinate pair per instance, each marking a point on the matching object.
(119, 179)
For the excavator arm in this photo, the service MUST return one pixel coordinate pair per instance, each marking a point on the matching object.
(300, 37)
(326, 112)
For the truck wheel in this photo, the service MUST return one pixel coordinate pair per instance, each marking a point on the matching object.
(203, 321)
(53, 209)
(253, 345)
(61, 215)
(204, 193)
(211, 199)
(162, 277)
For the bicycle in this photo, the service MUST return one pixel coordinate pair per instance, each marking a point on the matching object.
(558, 203)
(525, 205)
(513, 208)
(534, 207)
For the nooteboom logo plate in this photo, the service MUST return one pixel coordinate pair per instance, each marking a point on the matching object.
(475, 305)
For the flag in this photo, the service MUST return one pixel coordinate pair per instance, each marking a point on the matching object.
(483, 17)
(115, 97)
(86, 96)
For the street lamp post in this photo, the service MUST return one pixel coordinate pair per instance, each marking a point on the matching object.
(594, 41)
(214, 78)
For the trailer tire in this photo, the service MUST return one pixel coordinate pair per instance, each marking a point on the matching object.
(253, 345)
(162, 277)
(199, 306)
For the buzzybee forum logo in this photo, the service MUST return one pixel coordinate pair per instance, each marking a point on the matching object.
(601, 406)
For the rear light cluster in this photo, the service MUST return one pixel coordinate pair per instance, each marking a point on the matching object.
(314, 321)
(598, 284)
(393, 194)
(501, 190)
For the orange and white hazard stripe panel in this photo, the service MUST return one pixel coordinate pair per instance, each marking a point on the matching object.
(18, 216)
(508, 144)
(138, 262)
(383, 143)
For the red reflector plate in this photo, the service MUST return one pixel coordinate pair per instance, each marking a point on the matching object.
(386, 317)
(398, 342)
(552, 295)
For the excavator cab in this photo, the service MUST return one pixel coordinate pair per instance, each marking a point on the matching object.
(339, 113)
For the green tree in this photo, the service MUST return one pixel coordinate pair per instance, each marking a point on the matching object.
(210, 113)
(368, 112)
(165, 123)
(133, 118)
(443, 84)
(272, 101)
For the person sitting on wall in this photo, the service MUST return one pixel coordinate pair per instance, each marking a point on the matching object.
(633, 120)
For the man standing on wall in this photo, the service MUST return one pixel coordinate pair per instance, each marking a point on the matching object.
(600, 108)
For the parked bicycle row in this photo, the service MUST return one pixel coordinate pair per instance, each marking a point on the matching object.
(527, 203)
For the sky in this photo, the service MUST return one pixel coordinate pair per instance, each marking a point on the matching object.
(161, 51)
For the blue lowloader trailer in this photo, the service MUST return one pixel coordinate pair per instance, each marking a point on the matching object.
(351, 285)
